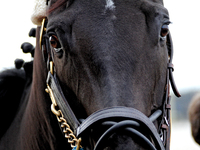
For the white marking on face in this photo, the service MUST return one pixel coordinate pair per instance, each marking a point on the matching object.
(110, 5)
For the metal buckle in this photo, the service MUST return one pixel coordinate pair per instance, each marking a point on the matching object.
(53, 100)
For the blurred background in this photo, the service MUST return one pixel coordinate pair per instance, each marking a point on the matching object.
(185, 19)
(184, 15)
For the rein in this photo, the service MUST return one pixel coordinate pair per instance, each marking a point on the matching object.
(130, 120)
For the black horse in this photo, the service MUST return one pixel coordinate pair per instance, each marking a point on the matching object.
(111, 60)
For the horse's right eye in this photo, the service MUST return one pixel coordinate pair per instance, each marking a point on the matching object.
(55, 43)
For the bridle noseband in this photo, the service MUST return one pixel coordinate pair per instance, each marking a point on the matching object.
(128, 119)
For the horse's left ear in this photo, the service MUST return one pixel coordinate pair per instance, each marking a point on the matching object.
(39, 12)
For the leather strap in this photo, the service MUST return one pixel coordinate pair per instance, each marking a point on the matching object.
(62, 102)
(170, 65)
(128, 127)
(124, 113)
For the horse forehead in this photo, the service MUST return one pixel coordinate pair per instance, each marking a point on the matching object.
(110, 8)
(39, 10)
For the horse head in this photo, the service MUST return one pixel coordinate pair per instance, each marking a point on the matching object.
(111, 57)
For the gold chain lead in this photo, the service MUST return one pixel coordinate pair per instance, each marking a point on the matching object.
(64, 125)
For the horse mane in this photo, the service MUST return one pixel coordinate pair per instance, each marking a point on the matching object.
(12, 84)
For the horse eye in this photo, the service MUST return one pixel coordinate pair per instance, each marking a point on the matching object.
(55, 43)
(164, 31)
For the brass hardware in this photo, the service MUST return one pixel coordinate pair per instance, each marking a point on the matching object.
(41, 32)
(50, 92)
(64, 125)
(78, 144)
(51, 67)
(68, 132)
(53, 109)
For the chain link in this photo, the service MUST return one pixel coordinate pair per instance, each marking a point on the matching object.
(68, 133)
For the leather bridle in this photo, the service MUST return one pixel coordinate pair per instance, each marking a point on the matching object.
(130, 120)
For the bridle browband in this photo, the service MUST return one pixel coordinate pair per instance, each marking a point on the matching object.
(130, 120)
